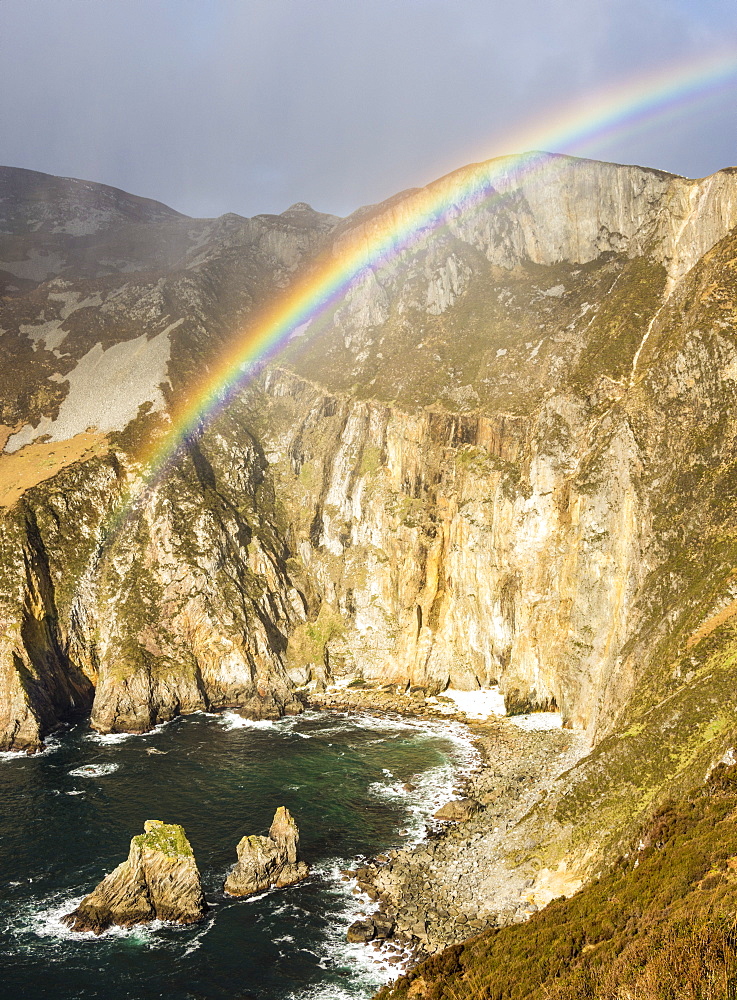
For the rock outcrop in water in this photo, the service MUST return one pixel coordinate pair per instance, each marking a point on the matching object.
(159, 881)
(268, 861)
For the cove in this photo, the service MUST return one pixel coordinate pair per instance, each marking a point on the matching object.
(68, 815)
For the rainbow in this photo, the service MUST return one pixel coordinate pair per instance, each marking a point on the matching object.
(578, 127)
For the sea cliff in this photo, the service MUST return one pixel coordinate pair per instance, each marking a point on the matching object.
(505, 455)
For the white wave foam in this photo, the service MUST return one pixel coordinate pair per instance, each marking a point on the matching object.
(255, 898)
(369, 964)
(382, 723)
(231, 720)
(433, 787)
(45, 921)
(48, 923)
(287, 723)
(368, 967)
(94, 770)
(110, 739)
(199, 937)
(50, 745)
(455, 732)
(394, 791)
(330, 991)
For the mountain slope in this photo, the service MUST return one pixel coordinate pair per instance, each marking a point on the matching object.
(91, 360)
(659, 925)
(506, 455)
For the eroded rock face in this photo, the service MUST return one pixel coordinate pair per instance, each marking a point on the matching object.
(268, 861)
(159, 881)
(185, 609)
(463, 550)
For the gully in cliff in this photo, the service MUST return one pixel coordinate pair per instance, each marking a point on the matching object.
(264, 862)
(159, 881)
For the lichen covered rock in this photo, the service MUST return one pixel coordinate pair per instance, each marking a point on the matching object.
(159, 881)
(264, 862)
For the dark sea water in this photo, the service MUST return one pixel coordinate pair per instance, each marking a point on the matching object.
(62, 830)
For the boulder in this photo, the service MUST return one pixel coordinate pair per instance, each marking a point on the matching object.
(383, 925)
(379, 926)
(159, 881)
(264, 862)
(457, 810)
(361, 931)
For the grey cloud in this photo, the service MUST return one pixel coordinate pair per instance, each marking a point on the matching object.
(248, 106)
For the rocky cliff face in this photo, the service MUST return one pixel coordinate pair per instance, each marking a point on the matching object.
(186, 607)
(186, 604)
(504, 455)
(461, 549)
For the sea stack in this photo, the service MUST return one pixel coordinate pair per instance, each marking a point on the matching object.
(268, 861)
(159, 881)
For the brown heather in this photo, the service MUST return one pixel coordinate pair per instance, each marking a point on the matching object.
(661, 925)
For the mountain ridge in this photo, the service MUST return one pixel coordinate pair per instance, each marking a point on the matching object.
(22, 187)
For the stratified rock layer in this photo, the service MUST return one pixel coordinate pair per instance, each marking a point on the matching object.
(159, 881)
(268, 861)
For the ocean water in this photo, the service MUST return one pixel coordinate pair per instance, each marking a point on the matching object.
(67, 816)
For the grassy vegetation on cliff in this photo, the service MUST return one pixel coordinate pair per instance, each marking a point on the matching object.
(619, 322)
(308, 642)
(496, 346)
(169, 838)
(659, 926)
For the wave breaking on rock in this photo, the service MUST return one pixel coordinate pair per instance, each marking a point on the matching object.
(265, 862)
(159, 881)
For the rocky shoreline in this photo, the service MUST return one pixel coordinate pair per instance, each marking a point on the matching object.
(388, 699)
(460, 879)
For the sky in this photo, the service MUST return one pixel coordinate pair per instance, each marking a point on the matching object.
(248, 106)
